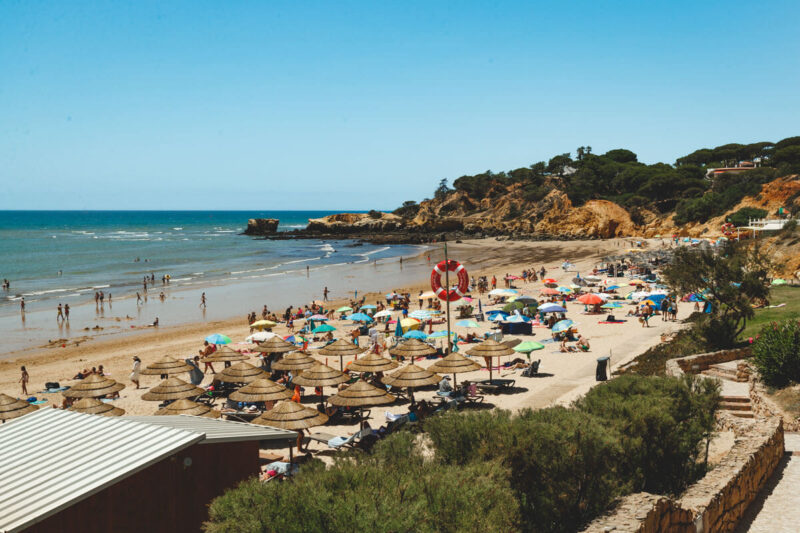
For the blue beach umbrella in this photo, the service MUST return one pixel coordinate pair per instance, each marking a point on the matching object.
(420, 314)
(611, 305)
(564, 325)
(415, 334)
(612, 288)
(398, 332)
(370, 306)
(360, 317)
(552, 308)
(441, 334)
(467, 324)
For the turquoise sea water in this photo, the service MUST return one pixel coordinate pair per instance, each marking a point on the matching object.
(65, 256)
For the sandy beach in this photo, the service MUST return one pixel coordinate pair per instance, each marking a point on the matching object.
(564, 376)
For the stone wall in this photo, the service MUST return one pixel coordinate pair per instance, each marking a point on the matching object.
(696, 363)
(716, 503)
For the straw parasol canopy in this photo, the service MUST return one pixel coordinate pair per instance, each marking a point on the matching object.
(241, 373)
(166, 365)
(93, 406)
(188, 407)
(225, 354)
(172, 389)
(93, 386)
(412, 376)
(275, 345)
(294, 361)
(361, 394)
(341, 348)
(261, 390)
(12, 408)
(455, 363)
(320, 375)
(413, 348)
(292, 416)
(372, 363)
(491, 348)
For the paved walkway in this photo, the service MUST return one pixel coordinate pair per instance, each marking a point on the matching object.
(777, 507)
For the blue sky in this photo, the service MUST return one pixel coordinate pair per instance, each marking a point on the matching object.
(359, 105)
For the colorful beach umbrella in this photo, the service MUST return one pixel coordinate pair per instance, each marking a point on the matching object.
(565, 290)
(438, 334)
(564, 325)
(218, 338)
(611, 305)
(420, 314)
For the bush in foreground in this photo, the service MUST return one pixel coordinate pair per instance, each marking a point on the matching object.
(776, 353)
(550, 470)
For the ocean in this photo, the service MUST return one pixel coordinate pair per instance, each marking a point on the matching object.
(53, 257)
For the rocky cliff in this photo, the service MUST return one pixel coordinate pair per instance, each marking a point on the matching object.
(506, 212)
(262, 226)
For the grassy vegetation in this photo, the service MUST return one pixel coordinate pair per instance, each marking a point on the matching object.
(778, 295)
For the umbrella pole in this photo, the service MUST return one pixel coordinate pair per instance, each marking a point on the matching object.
(447, 294)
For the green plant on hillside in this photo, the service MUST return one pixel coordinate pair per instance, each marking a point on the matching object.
(776, 353)
(742, 216)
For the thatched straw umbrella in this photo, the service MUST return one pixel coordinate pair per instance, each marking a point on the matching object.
(261, 390)
(93, 386)
(275, 345)
(361, 394)
(412, 348)
(411, 377)
(372, 363)
(489, 349)
(172, 389)
(455, 363)
(241, 373)
(225, 355)
(165, 366)
(93, 406)
(13, 408)
(291, 416)
(320, 376)
(294, 361)
(341, 348)
(188, 407)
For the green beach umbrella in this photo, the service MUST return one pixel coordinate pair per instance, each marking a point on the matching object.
(323, 328)
(344, 309)
(467, 324)
(528, 347)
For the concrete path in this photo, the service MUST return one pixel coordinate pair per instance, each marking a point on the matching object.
(777, 507)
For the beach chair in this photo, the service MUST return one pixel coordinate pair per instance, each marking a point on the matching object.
(335, 442)
(495, 386)
(472, 397)
(533, 369)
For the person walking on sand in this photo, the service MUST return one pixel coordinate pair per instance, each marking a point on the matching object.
(137, 366)
(138, 298)
(325, 294)
(205, 352)
(60, 315)
(22, 304)
(23, 380)
(203, 300)
(66, 312)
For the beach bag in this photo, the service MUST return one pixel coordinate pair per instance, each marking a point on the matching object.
(52, 385)
(611, 318)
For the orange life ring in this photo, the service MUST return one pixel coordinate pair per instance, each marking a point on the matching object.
(461, 274)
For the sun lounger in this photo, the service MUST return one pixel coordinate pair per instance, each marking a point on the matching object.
(495, 386)
(533, 369)
(337, 442)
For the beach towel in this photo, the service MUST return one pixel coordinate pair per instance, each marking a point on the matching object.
(612, 321)
(37, 402)
(53, 391)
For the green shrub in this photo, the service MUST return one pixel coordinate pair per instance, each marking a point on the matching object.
(661, 422)
(395, 489)
(776, 353)
(743, 215)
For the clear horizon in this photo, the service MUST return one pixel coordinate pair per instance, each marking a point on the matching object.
(356, 106)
